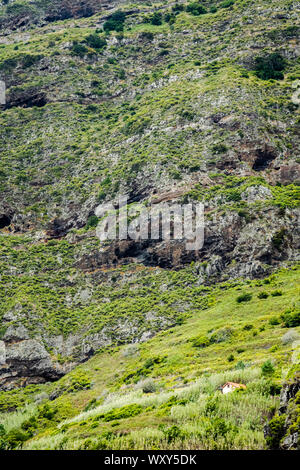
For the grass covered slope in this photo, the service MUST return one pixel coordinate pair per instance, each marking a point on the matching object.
(91, 111)
(125, 345)
(163, 393)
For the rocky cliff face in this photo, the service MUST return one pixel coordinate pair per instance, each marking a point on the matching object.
(21, 16)
(162, 105)
(283, 430)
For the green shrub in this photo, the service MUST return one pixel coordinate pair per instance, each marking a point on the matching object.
(78, 49)
(270, 66)
(200, 342)
(173, 433)
(95, 41)
(14, 439)
(233, 195)
(147, 35)
(221, 335)
(91, 404)
(156, 19)
(92, 222)
(244, 298)
(276, 293)
(244, 214)
(240, 365)
(219, 148)
(274, 321)
(28, 60)
(170, 18)
(291, 318)
(220, 428)
(173, 401)
(211, 406)
(263, 295)
(227, 4)
(79, 381)
(267, 368)
(196, 9)
(177, 7)
(149, 363)
(115, 22)
(47, 412)
(276, 431)
(230, 358)
(278, 238)
(126, 411)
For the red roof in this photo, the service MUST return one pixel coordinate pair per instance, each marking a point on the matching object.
(235, 385)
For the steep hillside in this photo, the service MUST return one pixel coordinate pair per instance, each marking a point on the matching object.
(176, 102)
(164, 393)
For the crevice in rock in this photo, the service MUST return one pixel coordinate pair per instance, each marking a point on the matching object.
(263, 159)
(38, 100)
(27, 99)
(5, 221)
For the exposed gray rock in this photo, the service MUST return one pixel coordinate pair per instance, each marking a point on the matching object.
(290, 442)
(15, 333)
(256, 193)
(27, 362)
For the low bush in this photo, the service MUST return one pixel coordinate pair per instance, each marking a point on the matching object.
(291, 318)
(227, 4)
(92, 222)
(263, 295)
(147, 385)
(115, 22)
(221, 335)
(95, 41)
(278, 238)
(267, 368)
(156, 19)
(276, 293)
(126, 411)
(274, 321)
(244, 298)
(79, 49)
(276, 431)
(270, 66)
(200, 342)
(173, 433)
(196, 9)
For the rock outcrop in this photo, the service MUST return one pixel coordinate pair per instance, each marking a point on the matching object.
(92, 112)
(26, 361)
(283, 430)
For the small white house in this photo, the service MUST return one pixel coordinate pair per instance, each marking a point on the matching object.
(231, 386)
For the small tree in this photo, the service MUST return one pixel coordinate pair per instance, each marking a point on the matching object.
(196, 9)
(267, 368)
(95, 41)
(115, 22)
(270, 66)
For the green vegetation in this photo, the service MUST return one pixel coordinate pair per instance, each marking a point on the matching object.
(115, 22)
(291, 317)
(270, 67)
(244, 298)
(196, 9)
(180, 403)
(155, 101)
